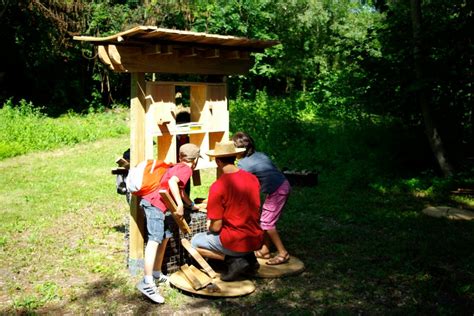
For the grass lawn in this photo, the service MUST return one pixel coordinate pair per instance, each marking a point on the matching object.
(366, 251)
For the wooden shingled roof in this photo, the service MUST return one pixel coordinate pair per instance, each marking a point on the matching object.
(153, 49)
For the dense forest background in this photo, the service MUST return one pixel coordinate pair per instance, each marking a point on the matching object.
(409, 62)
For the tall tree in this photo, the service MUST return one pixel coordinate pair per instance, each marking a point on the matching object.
(431, 129)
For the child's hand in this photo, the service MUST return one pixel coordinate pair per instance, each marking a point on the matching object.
(201, 207)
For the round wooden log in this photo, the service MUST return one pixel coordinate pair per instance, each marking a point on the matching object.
(219, 288)
(291, 267)
(449, 212)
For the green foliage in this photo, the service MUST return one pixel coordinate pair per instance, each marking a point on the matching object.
(353, 58)
(300, 133)
(42, 65)
(389, 77)
(23, 128)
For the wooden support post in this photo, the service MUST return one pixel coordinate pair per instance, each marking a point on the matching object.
(171, 205)
(137, 154)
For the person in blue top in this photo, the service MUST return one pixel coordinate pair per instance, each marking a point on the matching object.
(277, 189)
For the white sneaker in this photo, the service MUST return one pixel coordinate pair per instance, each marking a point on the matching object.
(150, 291)
(162, 278)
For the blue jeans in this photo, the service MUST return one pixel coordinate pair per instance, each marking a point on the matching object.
(158, 225)
(211, 241)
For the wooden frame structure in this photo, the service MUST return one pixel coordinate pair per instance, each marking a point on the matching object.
(148, 49)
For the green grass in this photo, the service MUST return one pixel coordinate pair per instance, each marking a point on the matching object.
(365, 251)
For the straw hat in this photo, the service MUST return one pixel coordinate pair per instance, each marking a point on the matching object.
(225, 149)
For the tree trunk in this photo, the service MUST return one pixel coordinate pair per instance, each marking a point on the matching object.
(431, 130)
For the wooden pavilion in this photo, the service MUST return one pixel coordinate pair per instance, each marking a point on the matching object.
(148, 49)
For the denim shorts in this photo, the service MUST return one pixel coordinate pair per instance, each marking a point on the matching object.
(212, 241)
(158, 224)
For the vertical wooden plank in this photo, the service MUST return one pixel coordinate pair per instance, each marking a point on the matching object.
(215, 137)
(166, 147)
(162, 112)
(202, 141)
(200, 113)
(199, 108)
(150, 129)
(137, 154)
(217, 100)
(219, 122)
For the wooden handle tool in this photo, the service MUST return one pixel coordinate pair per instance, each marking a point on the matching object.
(171, 205)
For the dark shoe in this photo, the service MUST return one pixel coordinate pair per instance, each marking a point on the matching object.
(235, 266)
(253, 264)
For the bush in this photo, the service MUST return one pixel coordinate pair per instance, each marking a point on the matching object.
(23, 128)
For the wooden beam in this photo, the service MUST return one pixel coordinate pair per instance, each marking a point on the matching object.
(157, 49)
(114, 54)
(244, 55)
(212, 53)
(166, 49)
(115, 58)
(188, 52)
(235, 54)
(104, 57)
(171, 205)
(133, 60)
(137, 154)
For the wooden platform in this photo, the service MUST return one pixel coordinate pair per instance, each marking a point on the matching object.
(292, 267)
(449, 212)
(226, 289)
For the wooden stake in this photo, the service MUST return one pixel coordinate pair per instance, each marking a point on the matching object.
(171, 205)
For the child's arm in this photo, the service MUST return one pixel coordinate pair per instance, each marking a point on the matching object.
(215, 225)
(175, 192)
(186, 198)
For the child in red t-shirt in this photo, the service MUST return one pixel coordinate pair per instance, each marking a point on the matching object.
(158, 222)
(233, 209)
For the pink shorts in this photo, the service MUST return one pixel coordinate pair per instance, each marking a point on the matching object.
(273, 206)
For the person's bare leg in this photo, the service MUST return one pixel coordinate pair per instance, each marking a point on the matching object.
(210, 254)
(264, 252)
(160, 254)
(150, 256)
(275, 238)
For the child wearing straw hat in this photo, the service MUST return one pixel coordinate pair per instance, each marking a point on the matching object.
(233, 211)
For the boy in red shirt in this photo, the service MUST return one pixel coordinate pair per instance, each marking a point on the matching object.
(233, 210)
(159, 221)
